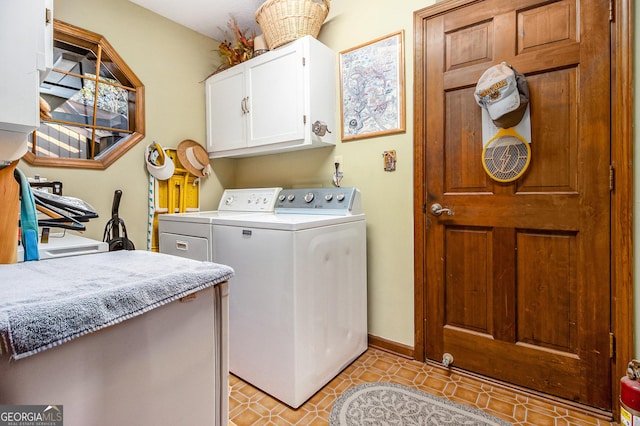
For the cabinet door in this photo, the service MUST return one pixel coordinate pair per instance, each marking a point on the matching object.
(45, 40)
(19, 105)
(276, 97)
(225, 110)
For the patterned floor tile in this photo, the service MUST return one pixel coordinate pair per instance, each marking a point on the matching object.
(249, 406)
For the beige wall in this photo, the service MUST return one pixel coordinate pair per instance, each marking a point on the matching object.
(172, 61)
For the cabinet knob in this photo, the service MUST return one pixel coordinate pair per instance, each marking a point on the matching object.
(319, 128)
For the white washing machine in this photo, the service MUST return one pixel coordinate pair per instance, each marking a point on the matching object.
(190, 234)
(298, 300)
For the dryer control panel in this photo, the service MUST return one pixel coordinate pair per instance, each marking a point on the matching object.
(333, 201)
(248, 200)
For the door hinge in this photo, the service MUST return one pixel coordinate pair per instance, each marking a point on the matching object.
(304, 119)
(611, 178)
(611, 10)
(304, 61)
(612, 346)
(424, 208)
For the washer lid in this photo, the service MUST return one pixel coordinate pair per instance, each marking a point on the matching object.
(201, 217)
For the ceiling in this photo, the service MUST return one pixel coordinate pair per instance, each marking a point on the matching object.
(208, 17)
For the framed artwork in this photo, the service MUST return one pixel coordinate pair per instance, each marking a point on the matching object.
(372, 88)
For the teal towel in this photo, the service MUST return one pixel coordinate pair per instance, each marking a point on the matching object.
(28, 218)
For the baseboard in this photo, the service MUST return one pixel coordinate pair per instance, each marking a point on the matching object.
(396, 348)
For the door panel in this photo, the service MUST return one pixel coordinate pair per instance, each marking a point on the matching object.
(517, 283)
(467, 287)
(463, 172)
(557, 328)
(559, 170)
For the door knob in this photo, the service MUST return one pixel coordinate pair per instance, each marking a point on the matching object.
(437, 210)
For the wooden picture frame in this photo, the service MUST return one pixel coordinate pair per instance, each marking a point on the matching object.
(372, 101)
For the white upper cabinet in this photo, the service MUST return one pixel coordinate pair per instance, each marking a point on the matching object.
(26, 31)
(45, 39)
(270, 103)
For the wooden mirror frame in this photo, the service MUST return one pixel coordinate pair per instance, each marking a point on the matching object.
(90, 40)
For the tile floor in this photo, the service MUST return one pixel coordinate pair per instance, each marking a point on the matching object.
(249, 406)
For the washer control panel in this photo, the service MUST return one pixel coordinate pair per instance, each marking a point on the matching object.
(249, 200)
(334, 201)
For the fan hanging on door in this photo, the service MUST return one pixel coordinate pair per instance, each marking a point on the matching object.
(503, 94)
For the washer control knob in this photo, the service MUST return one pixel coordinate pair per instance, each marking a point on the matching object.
(308, 197)
(265, 200)
(281, 197)
(340, 196)
(291, 197)
(328, 197)
(229, 200)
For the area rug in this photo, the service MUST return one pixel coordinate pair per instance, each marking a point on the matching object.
(372, 404)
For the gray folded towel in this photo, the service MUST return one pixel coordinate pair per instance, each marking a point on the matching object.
(44, 304)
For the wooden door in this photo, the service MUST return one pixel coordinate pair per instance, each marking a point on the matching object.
(517, 281)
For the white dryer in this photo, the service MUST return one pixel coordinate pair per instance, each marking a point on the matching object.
(190, 234)
(298, 300)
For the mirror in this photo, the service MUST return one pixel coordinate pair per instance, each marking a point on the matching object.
(95, 103)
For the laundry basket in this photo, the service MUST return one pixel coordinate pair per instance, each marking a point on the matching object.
(282, 21)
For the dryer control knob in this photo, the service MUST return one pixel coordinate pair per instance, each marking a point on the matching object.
(340, 196)
(291, 197)
(281, 197)
(308, 197)
(328, 197)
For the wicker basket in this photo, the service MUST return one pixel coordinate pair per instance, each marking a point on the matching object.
(282, 21)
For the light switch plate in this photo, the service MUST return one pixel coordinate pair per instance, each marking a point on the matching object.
(389, 160)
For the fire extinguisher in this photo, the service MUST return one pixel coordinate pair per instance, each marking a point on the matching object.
(630, 395)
